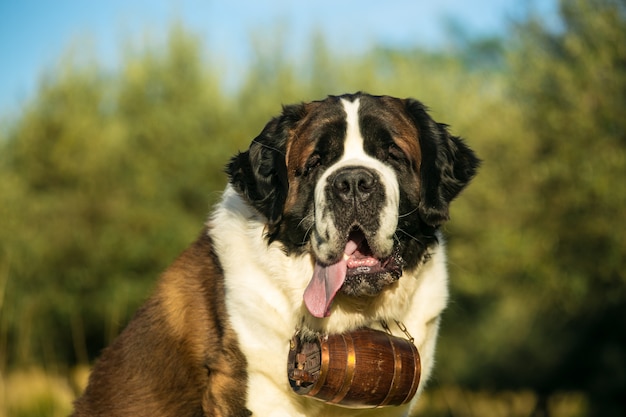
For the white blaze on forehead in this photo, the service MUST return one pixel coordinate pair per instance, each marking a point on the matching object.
(353, 145)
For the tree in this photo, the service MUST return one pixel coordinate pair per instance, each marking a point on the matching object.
(552, 318)
(573, 87)
(105, 178)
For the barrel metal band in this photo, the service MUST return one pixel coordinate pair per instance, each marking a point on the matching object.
(325, 364)
(397, 369)
(350, 368)
(417, 365)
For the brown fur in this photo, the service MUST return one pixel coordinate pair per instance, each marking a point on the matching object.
(179, 355)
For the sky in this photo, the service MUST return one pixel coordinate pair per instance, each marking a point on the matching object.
(35, 34)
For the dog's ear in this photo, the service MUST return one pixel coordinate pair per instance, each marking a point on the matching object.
(447, 166)
(260, 173)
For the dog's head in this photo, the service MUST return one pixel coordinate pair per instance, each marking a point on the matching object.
(361, 182)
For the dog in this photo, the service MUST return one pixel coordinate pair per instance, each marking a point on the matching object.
(329, 223)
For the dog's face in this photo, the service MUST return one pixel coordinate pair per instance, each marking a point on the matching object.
(360, 182)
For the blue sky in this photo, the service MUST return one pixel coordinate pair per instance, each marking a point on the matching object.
(34, 34)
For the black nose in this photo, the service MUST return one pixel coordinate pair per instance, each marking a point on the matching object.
(354, 184)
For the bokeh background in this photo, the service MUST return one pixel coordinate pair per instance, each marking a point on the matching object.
(117, 120)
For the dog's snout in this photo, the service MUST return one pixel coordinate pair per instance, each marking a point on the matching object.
(354, 184)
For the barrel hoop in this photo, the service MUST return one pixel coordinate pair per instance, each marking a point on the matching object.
(397, 369)
(325, 363)
(350, 368)
(417, 366)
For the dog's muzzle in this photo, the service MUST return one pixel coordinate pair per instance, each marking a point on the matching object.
(358, 260)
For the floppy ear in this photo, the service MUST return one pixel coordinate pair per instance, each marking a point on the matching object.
(260, 173)
(448, 165)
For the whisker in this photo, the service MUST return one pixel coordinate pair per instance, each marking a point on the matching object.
(409, 213)
(308, 231)
(411, 236)
(303, 219)
(306, 234)
(269, 147)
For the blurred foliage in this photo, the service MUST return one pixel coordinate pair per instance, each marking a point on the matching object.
(546, 294)
(34, 393)
(106, 176)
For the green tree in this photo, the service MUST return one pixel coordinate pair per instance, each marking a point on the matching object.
(105, 178)
(544, 296)
(573, 86)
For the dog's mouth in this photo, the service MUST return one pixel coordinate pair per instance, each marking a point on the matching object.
(358, 273)
(362, 260)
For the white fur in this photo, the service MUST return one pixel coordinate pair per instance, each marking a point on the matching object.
(264, 289)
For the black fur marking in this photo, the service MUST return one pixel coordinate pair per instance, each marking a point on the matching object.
(260, 173)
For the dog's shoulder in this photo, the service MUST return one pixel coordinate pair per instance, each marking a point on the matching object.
(179, 354)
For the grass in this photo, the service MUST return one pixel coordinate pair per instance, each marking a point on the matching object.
(34, 392)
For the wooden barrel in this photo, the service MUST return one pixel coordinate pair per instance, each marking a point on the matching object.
(365, 368)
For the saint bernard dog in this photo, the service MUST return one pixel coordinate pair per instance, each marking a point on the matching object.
(329, 223)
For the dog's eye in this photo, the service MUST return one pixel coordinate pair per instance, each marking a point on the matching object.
(314, 161)
(395, 153)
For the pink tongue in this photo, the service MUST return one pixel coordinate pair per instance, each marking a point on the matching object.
(326, 281)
